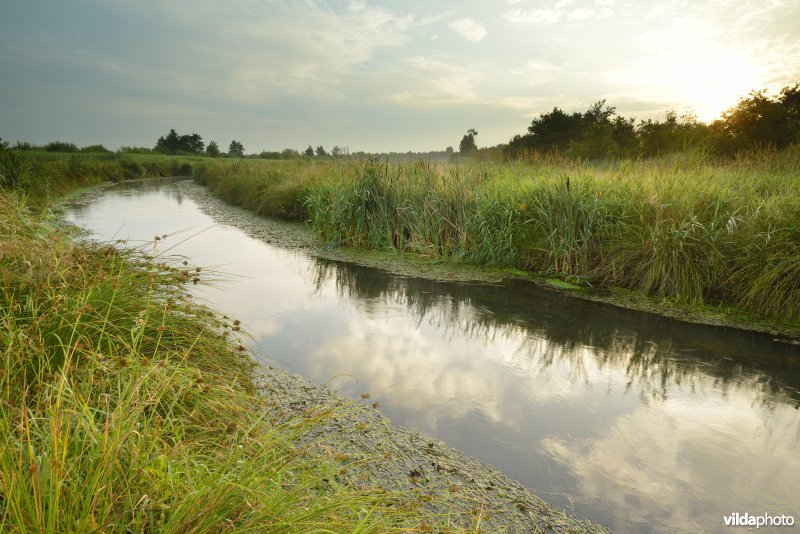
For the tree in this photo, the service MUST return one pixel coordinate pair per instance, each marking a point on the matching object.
(173, 143)
(337, 152)
(212, 149)
(236, 149)
(309, 152)
(760, 120)
(321, 152)
(556, 130)
(467, 145)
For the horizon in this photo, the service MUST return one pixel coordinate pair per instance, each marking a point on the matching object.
(372, 76)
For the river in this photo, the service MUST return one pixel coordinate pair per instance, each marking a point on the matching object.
(636, 421)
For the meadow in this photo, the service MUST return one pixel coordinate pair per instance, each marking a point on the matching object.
(685, 228)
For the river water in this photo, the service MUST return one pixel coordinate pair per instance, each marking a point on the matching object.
(635, 421)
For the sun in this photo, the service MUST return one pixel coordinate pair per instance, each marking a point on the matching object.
(715, 80)
(700, 75)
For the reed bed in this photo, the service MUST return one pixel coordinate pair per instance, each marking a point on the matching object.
(43, 175)
(687, 228)
(124, 407)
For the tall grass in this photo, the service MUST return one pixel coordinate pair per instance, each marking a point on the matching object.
(688, 227)
(42, 175)
(126, 409)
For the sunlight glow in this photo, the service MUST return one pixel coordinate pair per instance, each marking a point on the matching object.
(700, 75)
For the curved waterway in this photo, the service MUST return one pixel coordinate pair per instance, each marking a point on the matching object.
(635, 421)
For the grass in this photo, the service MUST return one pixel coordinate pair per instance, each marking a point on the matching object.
(45, 175)
(126, 409)
(686, 228)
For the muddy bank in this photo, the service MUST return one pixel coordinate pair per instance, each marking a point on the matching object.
(376, 454)
(297, 235)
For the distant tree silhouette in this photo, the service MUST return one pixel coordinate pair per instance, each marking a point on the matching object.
(760, 120)
(309, 152)
(173, 143)
(236, 149)
(212, 149)
(321, 152)
(467, 145)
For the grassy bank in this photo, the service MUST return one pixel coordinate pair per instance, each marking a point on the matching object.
(45, 175)
(686, 229)
(126, 409)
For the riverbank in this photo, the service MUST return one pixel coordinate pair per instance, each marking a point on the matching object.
(126, 406)
(298, 235)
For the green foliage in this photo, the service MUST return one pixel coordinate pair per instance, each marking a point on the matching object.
(212, 149)
(125, 409)
(60, 146)
(760, 121)
(757, 121)
(135, 150)
(236, 149)
(686, 227)
(95, 149)
(173, 143)
(467, 145)
(19, 171)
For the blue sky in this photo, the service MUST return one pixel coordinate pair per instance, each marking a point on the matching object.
(374, 75)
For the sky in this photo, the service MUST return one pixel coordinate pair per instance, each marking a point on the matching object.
(374, 75)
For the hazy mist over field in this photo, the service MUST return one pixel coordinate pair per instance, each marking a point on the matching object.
(374, 75)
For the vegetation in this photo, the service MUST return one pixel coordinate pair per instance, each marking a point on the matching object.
(213, 149)
(41, 175)
(236, 149)
(127, 408)
(173, 143)
(688, 228)
(757, 121)
(467, 145)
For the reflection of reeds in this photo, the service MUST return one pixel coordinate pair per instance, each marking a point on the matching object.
(552, 332)
(686, 229)
(123, 408)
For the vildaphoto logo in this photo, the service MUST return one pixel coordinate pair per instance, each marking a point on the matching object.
(764, 520)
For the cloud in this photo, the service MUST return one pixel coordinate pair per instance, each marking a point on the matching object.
(654, 465)
(536, 66)
(582, 13)
(468, 29)
(534, 16)
(442, 83)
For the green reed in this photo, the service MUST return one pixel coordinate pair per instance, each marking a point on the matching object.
(686, 227)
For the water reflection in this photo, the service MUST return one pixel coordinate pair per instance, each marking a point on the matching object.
(655, 424)
(655, 353)
(645, 422)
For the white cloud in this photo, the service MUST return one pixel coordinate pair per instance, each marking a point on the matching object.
(468, 29)
(447, 82)
(534, 16)
(581, 13)
(536, 66)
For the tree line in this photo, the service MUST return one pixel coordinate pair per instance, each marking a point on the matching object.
(757, 120)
